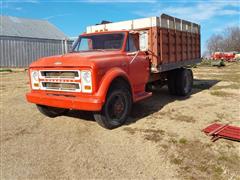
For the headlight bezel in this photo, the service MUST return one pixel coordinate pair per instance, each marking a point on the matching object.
(34, 75)
(86, 84)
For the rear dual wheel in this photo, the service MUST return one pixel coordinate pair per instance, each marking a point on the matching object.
(180, 82)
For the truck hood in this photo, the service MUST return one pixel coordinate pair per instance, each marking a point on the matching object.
(83, 59)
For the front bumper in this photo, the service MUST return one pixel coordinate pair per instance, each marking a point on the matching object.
(78, 103)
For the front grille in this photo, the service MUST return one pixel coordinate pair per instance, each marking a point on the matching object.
(73, 87)
(60, 80)
(57, 74)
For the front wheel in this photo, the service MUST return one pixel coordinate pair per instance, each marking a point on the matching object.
(51, 111)
(116, 109)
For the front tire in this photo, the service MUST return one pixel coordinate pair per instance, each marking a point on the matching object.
(116, 108)
(51, 111)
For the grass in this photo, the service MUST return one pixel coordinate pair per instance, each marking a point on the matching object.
(223, 158)
(229, 158)
(220, 116)
(231, 86)
(221, 94)
(217, 170)
(176, 161)
(154, 135)
(173, 141)
(184, 118)
(205, 62)
(6, 70)
(164, 146)
(183, 141)
(230, 73)
(229, 77)
(203, 168)
(197, 160)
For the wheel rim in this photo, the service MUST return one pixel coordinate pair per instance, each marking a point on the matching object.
(117, 108)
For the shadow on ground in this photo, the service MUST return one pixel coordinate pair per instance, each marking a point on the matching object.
(156, 102)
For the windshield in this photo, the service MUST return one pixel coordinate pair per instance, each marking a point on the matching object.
(99, 42)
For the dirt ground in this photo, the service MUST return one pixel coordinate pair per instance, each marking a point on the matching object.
(161, 140)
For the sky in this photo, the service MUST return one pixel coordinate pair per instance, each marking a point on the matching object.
(73, 16)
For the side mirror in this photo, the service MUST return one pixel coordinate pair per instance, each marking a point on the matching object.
(143, 41)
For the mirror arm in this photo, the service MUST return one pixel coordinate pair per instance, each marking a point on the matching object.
(134, 57)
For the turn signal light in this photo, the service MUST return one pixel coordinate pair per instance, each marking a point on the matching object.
(87, 87)
(36, 85)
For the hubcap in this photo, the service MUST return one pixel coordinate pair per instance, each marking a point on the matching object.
(117, 107)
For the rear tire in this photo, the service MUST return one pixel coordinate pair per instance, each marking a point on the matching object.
(184, 82)
(171, 82)
(51, 111)
(116, 108)
(180, 82)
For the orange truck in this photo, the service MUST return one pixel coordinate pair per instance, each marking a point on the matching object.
(113, 65)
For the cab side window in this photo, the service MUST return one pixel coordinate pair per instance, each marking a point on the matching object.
(131, 47)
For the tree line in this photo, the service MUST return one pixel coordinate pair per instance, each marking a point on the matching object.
(227, 41)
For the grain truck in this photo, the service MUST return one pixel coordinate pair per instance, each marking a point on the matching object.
(113, 65)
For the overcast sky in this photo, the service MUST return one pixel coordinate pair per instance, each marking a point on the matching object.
(74, 15)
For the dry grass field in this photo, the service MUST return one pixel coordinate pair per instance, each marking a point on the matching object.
(161, 140)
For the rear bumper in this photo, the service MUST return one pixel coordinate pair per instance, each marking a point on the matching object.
(79, 103)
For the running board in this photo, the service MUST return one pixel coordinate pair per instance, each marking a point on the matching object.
(141, 96)
(223, 131)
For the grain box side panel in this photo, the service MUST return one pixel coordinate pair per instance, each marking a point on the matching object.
(154, 45)
(172, 46)
(165, 46)
(178, 46)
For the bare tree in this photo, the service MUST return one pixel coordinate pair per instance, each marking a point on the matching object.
(227, 41)
(232, 39)
(215, 43)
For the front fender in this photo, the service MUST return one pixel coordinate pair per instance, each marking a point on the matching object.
(107, 80)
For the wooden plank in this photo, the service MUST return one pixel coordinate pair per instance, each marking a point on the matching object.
(161, 46)
(169, 46)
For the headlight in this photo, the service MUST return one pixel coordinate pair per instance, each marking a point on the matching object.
(35, 79)
(86, 77)
(35, 75)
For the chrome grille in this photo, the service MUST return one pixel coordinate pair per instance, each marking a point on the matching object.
(60, 80)
(60, 74)
(73, 87)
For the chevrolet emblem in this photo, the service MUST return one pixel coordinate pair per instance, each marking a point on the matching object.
(58, 63)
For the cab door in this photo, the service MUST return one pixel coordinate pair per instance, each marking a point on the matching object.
(138, 64)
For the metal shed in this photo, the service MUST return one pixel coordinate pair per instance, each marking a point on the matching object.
(22, 41)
